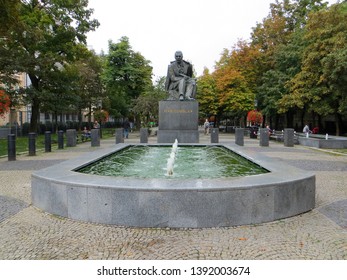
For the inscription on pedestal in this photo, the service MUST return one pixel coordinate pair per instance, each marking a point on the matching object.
(178, 120)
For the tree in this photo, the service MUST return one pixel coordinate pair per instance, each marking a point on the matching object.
(146, 105)
(234, 96)
(127, 75)
(255, 117)
(207, 94)
(41, 41)
(89, 87)
(5, 103)
(280, 40)
(321, 83)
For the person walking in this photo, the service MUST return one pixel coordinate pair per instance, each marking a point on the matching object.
(206, 126)
(126, 127)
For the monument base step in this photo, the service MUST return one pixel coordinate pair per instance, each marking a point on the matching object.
(182, 136)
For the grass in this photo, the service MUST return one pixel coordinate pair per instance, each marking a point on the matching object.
(22, 143)
(342, 151)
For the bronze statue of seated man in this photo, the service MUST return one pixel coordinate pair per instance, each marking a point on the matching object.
(179, 81)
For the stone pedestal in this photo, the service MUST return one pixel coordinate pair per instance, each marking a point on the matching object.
(264, 137)
(178, 120)
(119, 135)
(95, 137)
(71, 137)
(144, 135)
(214, 135)
(288, 137)
(239, 136)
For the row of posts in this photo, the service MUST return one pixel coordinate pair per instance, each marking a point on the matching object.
(71, 141)
(263, 133)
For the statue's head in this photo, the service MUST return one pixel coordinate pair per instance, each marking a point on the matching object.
(178, 56)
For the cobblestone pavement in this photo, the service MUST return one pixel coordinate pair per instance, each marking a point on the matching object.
(29, 233)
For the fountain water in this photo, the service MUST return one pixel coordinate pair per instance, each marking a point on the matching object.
(171, 159)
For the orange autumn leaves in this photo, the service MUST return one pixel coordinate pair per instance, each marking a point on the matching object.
(5, 103)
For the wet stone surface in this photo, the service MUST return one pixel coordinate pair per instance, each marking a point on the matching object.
(337, 212)
(10, 206)
(27, 164)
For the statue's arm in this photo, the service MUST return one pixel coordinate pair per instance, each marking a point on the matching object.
(172, 74)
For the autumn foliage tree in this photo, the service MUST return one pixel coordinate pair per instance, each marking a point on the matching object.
(5, 103)
(207, 95)
(254, 117)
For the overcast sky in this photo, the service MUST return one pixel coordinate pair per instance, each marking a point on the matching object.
(201, 29)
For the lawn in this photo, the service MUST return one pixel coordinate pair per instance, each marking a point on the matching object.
(22, 143)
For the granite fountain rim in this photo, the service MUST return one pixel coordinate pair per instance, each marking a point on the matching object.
(279, 173)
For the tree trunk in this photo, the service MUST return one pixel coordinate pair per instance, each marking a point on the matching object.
(35, 104)
(289, 117)
(303, 118)
(338, 123)
(80, 112)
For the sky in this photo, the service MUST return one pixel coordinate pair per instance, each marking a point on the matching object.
(201, 29)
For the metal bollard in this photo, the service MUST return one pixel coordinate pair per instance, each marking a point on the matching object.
(60, 139)
(11, 147)
(32, 143)
(48, 142)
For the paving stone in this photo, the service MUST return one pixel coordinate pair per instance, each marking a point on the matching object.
(29, 233)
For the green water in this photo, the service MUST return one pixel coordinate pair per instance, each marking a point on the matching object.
(191, 162)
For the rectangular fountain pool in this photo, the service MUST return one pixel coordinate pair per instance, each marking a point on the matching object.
(190, 162)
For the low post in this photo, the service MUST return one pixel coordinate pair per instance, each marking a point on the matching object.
(264, 137)
(60, 139)
(239, 136)
(48, 142)
(95, 137)
(143, 135)
(32, 143)
(288, 137)
(71, 138)
(119, 135)
(214, 135)
(11, 147)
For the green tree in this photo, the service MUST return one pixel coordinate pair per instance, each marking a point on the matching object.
(280, 40)
(207, 95)
(90, 87)
(41, 41)
(321, 83)
(127, 75)
(146, 105)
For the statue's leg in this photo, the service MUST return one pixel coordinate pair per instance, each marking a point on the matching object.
(182, 88)
(190, 89)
